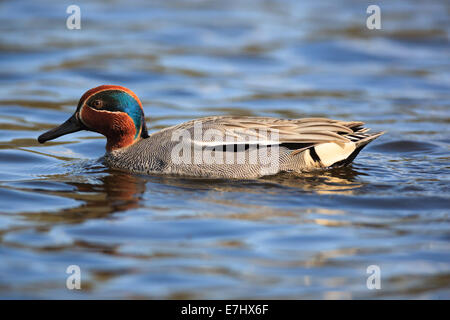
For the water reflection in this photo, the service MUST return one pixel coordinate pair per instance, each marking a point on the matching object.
(99, 196)
(335, 181)
(106, 191)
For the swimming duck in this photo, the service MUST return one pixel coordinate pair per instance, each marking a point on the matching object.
(212, 147)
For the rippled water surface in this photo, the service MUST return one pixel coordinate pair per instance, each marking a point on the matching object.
(308, 236)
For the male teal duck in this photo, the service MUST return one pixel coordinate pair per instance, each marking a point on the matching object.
(212, 147)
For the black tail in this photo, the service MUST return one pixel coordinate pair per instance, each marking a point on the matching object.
(361, 138)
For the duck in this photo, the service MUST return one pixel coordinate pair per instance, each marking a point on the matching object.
(228, 147)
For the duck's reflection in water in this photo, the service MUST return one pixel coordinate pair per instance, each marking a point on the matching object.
(102, 191)
(335, 181)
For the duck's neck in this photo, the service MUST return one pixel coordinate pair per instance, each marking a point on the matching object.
(120, 142)
(121, 134)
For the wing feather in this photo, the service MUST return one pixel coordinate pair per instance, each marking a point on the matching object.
(266, 131)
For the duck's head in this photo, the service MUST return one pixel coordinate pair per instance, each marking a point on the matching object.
(114, 111)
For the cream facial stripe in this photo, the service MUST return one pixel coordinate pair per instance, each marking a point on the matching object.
(104, 111)
(86, 100)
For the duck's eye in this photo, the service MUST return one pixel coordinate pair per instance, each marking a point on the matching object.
(97, 104)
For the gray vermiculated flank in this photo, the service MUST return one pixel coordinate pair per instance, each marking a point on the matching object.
(154, 154)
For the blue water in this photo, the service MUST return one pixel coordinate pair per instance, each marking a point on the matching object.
(293, 237)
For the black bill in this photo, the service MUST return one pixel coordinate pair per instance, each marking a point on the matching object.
(71, 125)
